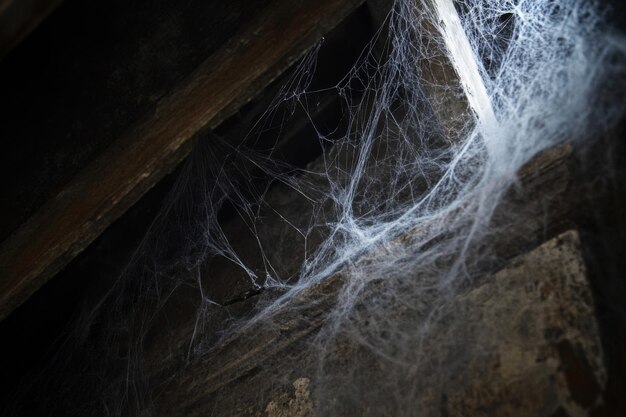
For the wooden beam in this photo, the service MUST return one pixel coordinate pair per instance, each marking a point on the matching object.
(232, 76)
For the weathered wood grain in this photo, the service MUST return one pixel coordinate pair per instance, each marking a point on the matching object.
(87, 75)
(64, 226)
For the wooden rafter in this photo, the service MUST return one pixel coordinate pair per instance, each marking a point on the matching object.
(102, 192)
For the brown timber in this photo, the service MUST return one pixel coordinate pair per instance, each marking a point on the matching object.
(102, 192)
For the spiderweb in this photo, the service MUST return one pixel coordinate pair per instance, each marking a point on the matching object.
(440, 112)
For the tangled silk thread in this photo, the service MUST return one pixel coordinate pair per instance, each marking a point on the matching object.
(407, 184)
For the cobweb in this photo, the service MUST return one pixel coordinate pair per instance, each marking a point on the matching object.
(440, 112)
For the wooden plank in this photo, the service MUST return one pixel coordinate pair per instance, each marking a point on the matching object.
(87, 76)
(232, 76)
(20, 17)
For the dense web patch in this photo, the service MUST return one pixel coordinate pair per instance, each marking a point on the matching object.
(441, 111)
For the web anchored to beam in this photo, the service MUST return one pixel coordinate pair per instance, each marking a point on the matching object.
(394, 228)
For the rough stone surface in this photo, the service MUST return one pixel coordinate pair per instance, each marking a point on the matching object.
(542, 353)
(300, 405)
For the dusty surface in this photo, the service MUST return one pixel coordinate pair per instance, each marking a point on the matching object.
(542, 353)
(300, 405)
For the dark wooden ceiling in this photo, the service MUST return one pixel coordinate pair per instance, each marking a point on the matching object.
(103, 99)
